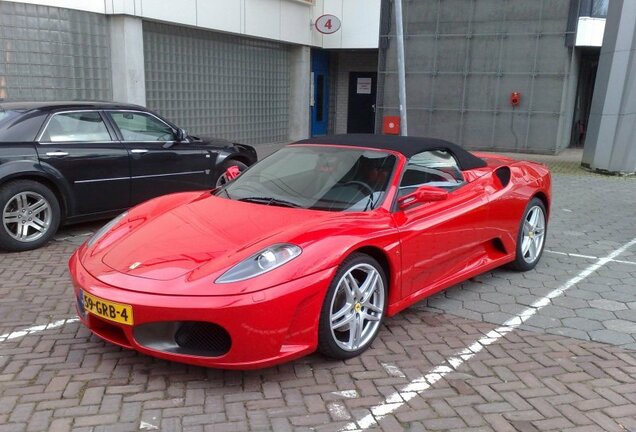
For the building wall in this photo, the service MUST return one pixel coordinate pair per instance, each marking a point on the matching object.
(216, 84)
(282, 20)
(349, 61)
(360, 23)
(465, 57)
(236, 69)
(48, 53)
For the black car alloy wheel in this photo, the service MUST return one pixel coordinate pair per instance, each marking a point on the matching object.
(30, 215)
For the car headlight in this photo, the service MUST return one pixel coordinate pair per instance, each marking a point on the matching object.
(262, 262)
(103, 230)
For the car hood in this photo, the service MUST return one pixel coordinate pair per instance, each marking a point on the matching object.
(188, 236)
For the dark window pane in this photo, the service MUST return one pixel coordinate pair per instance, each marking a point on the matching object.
(599, 8)
(320, 97)
(76, 127)
(433, 168)
(142, 127)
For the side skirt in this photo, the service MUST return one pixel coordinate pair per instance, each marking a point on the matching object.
(447, 282)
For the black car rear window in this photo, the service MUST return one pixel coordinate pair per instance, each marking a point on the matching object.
(19, 125)
(8, 116)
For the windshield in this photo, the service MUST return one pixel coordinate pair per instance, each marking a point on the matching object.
(316, 177)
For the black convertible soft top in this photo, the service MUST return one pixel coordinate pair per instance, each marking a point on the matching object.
(407, 145)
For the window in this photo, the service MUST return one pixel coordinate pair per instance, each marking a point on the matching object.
(592, 8)
(142, 127)
(316, 177)
(599, 8)
(76, 127)
(432, 168)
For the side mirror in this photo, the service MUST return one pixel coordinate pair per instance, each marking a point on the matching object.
(421, 195)
(182, 135)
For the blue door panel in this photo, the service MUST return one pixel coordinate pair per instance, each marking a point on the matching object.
(320, 96)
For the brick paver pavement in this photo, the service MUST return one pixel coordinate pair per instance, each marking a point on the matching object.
(555, 374)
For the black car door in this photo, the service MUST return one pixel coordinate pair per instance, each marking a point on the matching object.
(159, 163)
(79, 146)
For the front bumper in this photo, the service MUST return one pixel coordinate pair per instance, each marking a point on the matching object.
(267, 327)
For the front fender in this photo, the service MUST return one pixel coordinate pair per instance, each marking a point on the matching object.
(241, 152)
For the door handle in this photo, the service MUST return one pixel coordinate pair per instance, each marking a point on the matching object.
(57, 153)
(139, 151)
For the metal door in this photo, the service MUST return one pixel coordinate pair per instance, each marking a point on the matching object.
(361, 107)
(79, 146)
(159, 164)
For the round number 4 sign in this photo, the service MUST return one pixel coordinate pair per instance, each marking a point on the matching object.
(327, 24)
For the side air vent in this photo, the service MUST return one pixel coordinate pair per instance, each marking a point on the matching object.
(503, 174)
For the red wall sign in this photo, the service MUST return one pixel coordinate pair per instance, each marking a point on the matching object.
(327, 24)
(391, 125)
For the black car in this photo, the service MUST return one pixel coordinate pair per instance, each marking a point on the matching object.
(66, 162)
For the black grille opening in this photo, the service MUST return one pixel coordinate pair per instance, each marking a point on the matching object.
(198, 338)
(202, 338)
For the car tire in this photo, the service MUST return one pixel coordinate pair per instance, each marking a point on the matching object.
(351, 318)
(531, 237)
(222, 179)
(30, 215)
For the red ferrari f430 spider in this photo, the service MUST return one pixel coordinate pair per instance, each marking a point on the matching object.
(309, 249)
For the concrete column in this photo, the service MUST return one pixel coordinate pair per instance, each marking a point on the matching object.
(300, 75)
(127, 59)
(610, 145)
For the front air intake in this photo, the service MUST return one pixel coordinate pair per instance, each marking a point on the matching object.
(197, 338)
(203, 337)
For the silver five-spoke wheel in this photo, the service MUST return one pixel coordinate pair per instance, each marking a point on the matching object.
(533, 234)
(27, 216)
(354, 308)
(531, 237)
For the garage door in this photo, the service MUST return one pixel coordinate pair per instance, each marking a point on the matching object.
(218, 85)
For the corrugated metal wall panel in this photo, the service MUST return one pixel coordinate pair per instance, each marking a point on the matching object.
(465, 57)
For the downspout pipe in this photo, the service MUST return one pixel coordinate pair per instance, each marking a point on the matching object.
(399, 32)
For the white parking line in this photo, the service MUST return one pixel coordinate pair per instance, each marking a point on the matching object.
(590, 257)
(36, 329)
(571, 254)
(393, 370)
(349, 394)
(424, 382)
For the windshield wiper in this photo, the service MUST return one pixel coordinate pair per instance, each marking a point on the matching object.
(269, 201)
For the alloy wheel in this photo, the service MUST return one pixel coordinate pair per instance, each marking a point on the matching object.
(357, 307)
(27, 216)
(533, 234)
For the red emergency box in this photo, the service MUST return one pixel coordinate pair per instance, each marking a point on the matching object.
(391, 125)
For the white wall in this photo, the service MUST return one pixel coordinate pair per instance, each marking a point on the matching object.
(281, 20)
(360, 23)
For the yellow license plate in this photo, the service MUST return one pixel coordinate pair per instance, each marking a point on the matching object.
(117, 312)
